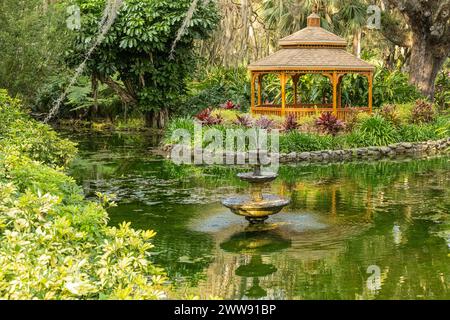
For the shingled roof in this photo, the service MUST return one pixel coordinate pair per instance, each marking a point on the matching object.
(311, 48)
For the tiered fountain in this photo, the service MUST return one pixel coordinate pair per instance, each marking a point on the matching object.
(257, 207)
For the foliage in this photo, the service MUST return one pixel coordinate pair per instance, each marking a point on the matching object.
(244, 120)
(229, 105)
(389, 112)
(392, 87)
(212, 86)
(33, 42)
(265, 123)
(299, 142)
(53, 243)
(36, 140)
(417, 132)
(329, 124)
(206, 118)
(375, 131)
(290, 123)
(138, 48)
(351, 119)
(423, 112)
(442, 93)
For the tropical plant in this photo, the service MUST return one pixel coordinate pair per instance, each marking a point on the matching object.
(329, 124)
(206, 118)
(351, 118)
(290, 123)
(149, 50)
(423, 112)
(375, 131)
(33, 41)
(417, 132)
(389, 112)
(36, 140)
(265, 123)
(244, 120)
(229, 105)
(53, 243)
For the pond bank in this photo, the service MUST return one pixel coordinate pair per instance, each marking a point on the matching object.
(396, 150)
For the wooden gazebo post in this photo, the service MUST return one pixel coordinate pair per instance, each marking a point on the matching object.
(335, 83)
(283, 93)
(370, 77)
(260, 77)
(252, 93)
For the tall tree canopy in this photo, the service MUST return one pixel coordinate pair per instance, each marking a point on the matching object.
(428, 38)
(134, 57)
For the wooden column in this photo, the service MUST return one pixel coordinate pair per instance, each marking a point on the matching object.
(283, 93)
(252, 94)
(295, 83)
(340, 91)
(260, 77)
(370, 77)
(334, 82)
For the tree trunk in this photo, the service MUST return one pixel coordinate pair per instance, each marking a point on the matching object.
(357, 43)
(424, 65)
(157, 119)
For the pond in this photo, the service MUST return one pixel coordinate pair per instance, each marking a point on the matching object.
(368, 230)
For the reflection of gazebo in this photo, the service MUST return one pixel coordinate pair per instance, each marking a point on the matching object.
(312, 50)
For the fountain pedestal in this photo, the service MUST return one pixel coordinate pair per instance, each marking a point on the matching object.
(257, 207)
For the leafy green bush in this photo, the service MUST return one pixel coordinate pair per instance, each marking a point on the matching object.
(296, 141)
(216, 85)
(375, 131)
(53, 243)
(417, 132)
(36, 140)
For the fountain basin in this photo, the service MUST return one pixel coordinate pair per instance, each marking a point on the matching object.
(252, 178)
(253, 211)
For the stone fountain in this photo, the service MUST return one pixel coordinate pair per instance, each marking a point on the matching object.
(257, 207)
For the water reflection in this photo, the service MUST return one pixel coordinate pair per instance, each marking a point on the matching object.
(343, 218)
(254, 243)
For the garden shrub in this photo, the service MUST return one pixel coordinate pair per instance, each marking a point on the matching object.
(417, 132)
(376, 131)
(29, 137)
(296, 141)
(53, 243)
(389, 112)
(423, 112)
(329, 124)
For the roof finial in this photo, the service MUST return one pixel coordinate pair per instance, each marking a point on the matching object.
(313, 20)
(315, 8)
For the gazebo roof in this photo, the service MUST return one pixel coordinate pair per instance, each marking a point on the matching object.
(311, 48)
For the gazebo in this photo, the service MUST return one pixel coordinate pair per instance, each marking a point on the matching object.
(312, 50)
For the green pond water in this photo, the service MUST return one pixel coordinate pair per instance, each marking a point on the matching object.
(369, 230)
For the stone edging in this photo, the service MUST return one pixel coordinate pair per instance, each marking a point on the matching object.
(396, 150)
(390, 151)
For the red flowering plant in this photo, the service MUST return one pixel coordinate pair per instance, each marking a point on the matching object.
(229, 105)
(329, 124)
(290, 124)
(244, 120)
(206, 118)
(265, 123)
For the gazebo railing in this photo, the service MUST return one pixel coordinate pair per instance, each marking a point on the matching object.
(304, 110)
